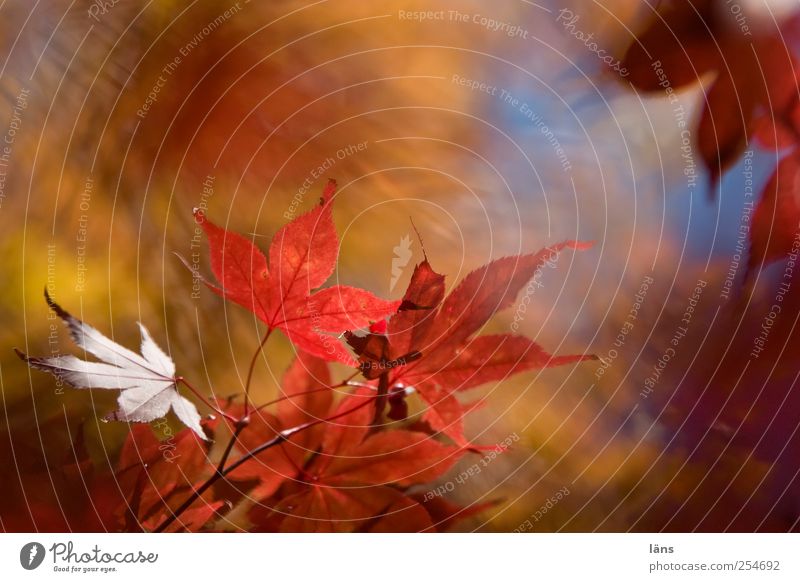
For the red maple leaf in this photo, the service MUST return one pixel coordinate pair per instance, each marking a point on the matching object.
(160, 473)
(307, 397)
(167, 466)
(755, 89)
(302, 256)
(776, 220)
(358, 477)
(82, 497)
(430, 342)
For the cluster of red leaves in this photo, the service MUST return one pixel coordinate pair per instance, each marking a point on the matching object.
(348, 470)
(325, 460)
(74, 492)
(157, 475)
(341, 475)
(754, 94)
(430, 342)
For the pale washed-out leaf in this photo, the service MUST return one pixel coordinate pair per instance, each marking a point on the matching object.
(147, 381)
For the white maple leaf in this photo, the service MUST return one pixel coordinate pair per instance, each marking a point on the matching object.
(147, 382)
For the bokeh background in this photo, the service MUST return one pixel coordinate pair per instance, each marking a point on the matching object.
(99, 192)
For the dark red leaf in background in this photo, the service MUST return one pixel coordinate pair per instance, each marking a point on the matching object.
(354, 479)
(776, 220)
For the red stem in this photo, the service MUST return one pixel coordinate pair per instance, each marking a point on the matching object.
(258, 352)
(346, 382)
(197, 393)
(222, 472)
(229, 447)
(380, 404)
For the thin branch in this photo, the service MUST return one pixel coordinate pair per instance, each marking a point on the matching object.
(253, 360)
(282, 436)
(261, 407)
(290, 432)
(197, 393)
(382, 397)
(240, 426)
(298, 469)
(346, 382)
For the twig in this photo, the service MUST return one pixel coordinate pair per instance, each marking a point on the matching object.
(346, 382)
(382, 395)
(197, 393)
(240, 426)
(219, 473)
(251, 369)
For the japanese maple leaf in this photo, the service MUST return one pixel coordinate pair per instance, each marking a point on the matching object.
(358, 477)
(755, 87)
(430, 342)
(158, 472)
(79, 496)
(302, 256)
(307, 397)
(776, 220)
(147, 382)
(82, 496)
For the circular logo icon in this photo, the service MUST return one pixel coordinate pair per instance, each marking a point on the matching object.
(31, 555)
